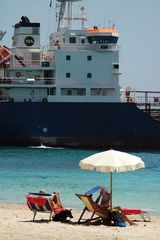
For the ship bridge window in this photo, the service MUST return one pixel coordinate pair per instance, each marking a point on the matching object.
(73, 91)
(68, 75)
(68, 57)
(72, 40)
(116, 66)
(82, 39)
(102, 92)
(89, 75)
(102, 39)
(89, 58)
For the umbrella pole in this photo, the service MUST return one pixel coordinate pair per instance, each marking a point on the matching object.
(111, 187)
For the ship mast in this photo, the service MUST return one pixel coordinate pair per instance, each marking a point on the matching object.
(61, 13)
(69, 17)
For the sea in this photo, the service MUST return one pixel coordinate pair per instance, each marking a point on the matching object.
(29, 169)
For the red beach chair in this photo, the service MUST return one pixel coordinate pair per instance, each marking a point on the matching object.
(134, 211)
(40, 203)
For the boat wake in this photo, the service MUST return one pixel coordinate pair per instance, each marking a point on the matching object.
(45, 147)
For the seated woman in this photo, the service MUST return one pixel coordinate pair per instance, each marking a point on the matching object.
(55, 201)
(61, 213)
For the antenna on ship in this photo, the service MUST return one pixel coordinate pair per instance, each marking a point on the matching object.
(69, 17)
(82, 18)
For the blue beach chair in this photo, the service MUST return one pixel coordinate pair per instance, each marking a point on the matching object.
(93, 190)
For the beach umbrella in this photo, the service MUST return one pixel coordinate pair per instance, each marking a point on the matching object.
(111, 161)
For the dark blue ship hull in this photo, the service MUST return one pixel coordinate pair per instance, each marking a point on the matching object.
(77, 125)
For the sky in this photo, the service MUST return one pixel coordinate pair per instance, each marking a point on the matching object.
(137, 22)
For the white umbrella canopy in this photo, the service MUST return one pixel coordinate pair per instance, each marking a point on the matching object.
(112, 161)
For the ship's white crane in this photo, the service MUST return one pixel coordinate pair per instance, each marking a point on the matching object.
(62, 11)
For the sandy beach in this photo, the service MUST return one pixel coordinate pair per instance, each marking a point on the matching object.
(16, 224)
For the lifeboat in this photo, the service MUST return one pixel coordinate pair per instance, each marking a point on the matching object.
(4, 55)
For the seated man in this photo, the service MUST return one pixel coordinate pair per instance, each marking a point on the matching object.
(105, 198)
(104, 202)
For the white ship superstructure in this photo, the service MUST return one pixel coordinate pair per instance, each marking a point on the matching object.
(27, 73)
(86, 61)
(82, 65)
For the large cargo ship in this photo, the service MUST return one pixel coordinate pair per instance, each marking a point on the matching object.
(69, 95)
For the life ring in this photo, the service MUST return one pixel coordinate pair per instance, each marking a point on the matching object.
(18, 74)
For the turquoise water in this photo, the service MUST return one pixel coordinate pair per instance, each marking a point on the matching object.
(24, 170)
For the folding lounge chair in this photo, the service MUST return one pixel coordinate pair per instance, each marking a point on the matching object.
(39, 203)
(134, 211)
(91, 206)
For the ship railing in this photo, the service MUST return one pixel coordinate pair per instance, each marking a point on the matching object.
(22, 81)
(23, 98)
(31, 63)
(94, 46)
(143, 99)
